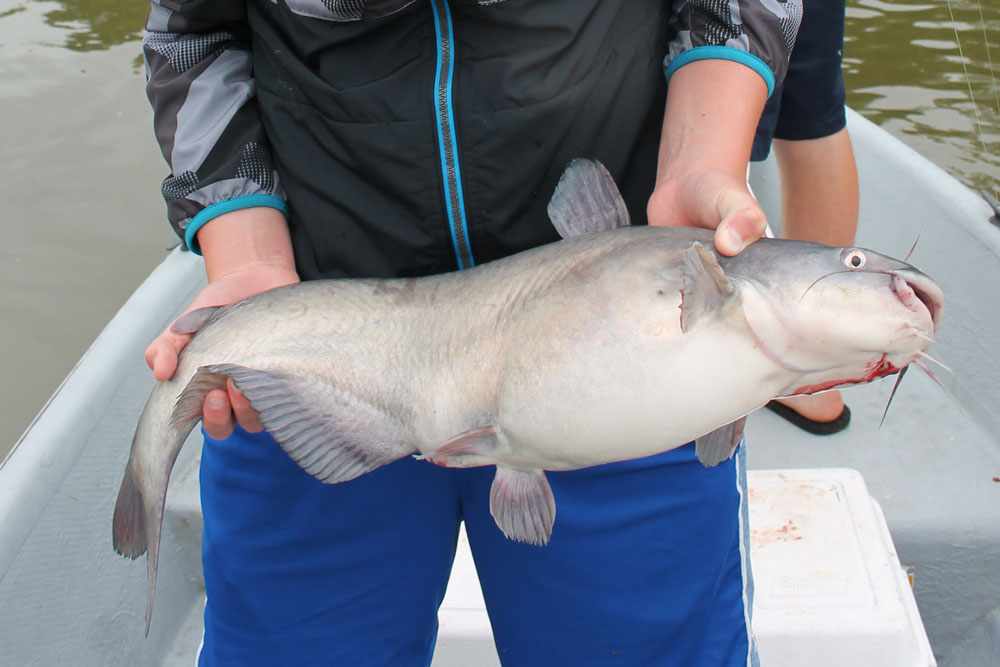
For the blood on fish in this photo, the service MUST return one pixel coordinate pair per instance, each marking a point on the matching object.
(880, 368)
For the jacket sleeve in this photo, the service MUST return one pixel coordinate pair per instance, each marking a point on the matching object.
(200, 84)
(757, 33)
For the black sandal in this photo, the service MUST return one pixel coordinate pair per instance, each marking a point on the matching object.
(811, 425)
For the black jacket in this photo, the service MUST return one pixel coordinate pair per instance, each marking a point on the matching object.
(413, 137)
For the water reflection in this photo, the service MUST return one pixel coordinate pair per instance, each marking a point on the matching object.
(86, 25)
(927, 72)
(98, 24)
(923, 70)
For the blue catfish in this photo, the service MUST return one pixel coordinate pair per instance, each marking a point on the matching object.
(614, 343)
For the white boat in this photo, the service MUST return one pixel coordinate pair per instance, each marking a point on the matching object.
(933, 468)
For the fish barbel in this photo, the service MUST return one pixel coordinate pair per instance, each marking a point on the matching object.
(615, 343)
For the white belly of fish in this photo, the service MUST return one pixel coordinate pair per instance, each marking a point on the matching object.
(594, 404)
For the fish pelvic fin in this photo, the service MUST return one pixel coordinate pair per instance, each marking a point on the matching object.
(466, 449)
(522, 505)
(720, 445)
(706, 289)
(332, 433)
(586, 200)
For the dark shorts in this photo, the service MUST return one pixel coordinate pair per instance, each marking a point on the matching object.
(810, 102)
(647, 563)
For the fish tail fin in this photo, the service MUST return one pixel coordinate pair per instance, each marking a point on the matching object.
(138, 515)
(129, 523)
(130, 531)
(151, 563)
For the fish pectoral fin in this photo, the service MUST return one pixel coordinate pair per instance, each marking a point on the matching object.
(705, 286)
(586, 200)
(719, 445)
(475, 443)
(331, 433)
(522, 505)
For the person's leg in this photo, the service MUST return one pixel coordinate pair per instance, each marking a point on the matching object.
(298, 572)
(645, 567)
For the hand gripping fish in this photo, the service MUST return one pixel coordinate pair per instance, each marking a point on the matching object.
(615, 343)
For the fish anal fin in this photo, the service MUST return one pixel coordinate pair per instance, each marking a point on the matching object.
(705, 285)
(189, 404)
(522, 505)
(332, 433)
(191, 322)
(466, 449)
(586, 200)
(719, 445)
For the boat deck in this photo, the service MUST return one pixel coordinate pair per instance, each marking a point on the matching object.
(67, 598)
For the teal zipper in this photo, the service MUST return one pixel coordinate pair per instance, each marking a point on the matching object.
(447, 143)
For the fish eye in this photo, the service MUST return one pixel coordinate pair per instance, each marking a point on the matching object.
(854, 259)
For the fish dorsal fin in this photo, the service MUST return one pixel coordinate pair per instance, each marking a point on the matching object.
(332, 433)
(586, 200)
(705, 288)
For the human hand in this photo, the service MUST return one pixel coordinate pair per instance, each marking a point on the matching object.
(221, 408)
(246, 251)
(713, 199)
(713, 106)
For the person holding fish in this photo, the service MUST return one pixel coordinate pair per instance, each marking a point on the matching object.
(321, 139)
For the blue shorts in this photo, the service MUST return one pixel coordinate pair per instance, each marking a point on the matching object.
(809, 104)
(646, 565)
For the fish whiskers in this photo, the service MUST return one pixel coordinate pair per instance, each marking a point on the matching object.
(918, 362)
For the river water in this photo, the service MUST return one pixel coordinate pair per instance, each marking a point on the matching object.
(83, 222)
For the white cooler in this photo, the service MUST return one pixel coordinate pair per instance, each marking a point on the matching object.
(829, 589)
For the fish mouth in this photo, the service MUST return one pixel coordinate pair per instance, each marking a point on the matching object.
(919, 293)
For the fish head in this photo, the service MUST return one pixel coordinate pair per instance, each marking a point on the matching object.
(835, 316)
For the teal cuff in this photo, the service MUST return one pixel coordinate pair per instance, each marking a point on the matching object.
(724, 53)
(218, 208)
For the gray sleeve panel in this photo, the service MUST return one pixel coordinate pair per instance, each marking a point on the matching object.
(200, 85)
(763, 28)
(159, 18)
(213, 98)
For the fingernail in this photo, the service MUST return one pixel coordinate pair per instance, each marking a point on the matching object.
(216, 403)
(733, 240)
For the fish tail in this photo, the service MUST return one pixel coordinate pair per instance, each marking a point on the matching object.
(130, 529)
(132, 524)
(129, 523)
(151, 563)
(138, 516)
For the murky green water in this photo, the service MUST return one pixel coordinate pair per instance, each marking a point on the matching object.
(928, 73)
(94, 24)
(82, 218)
